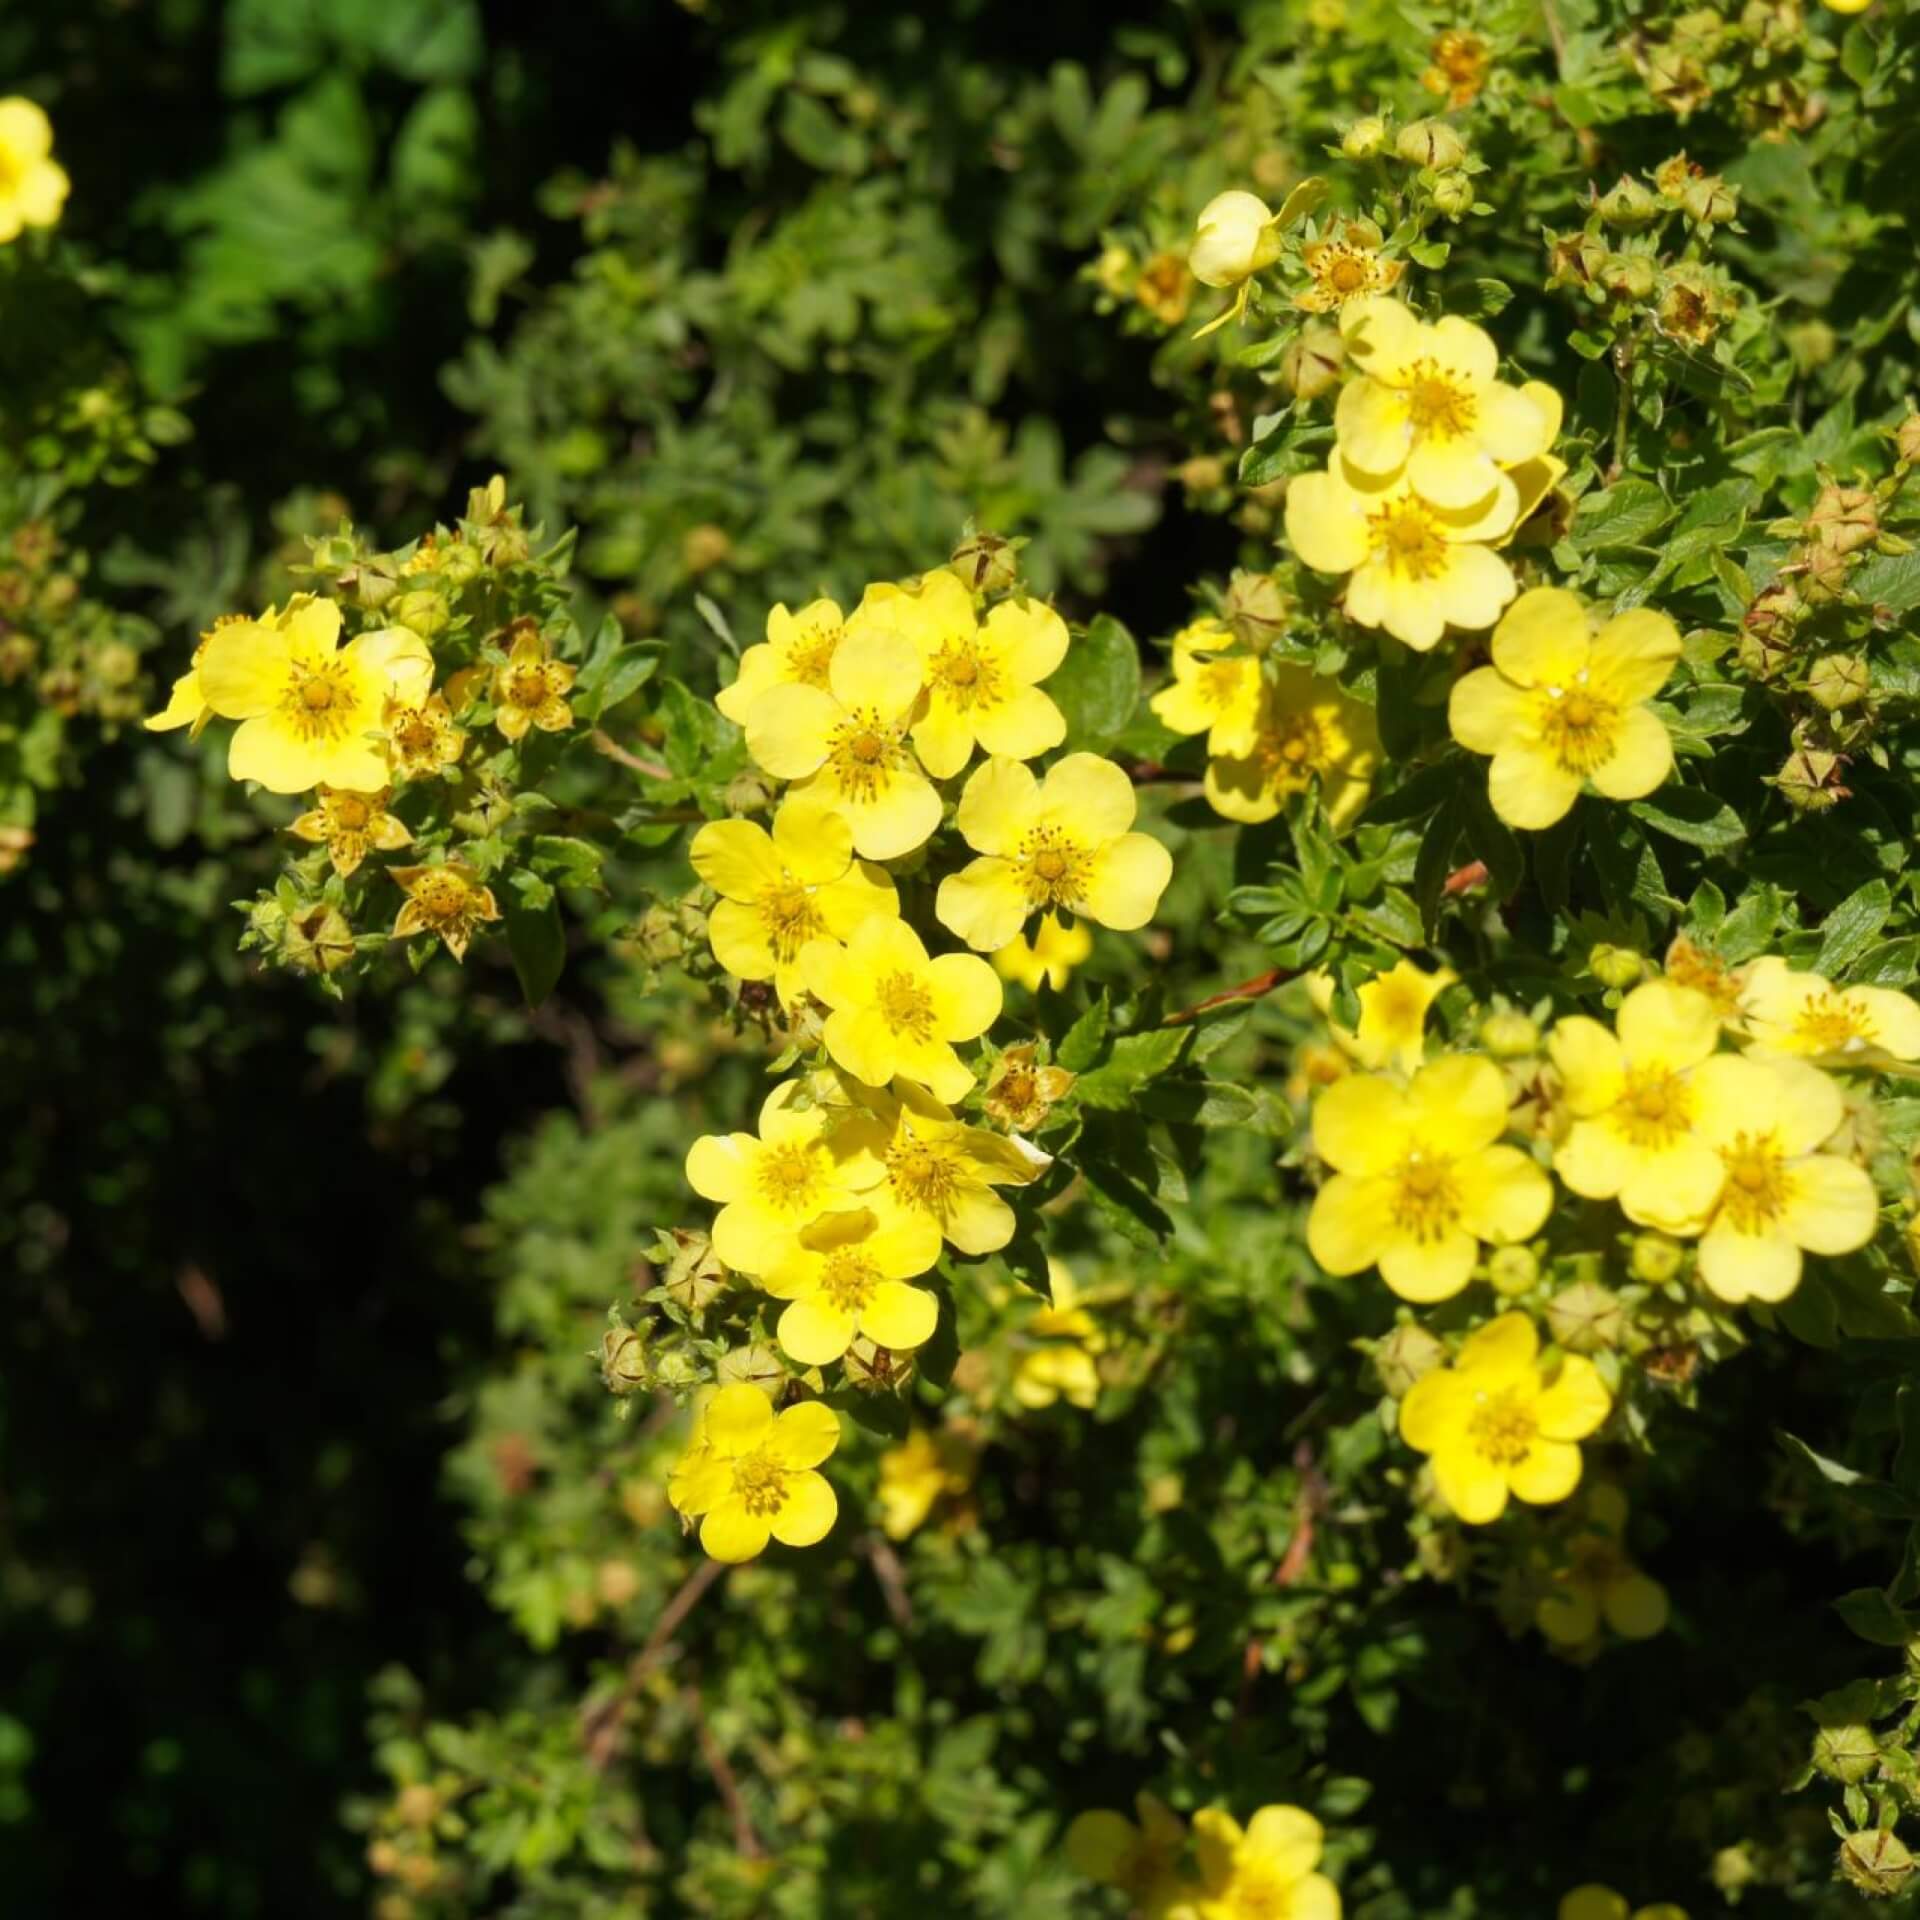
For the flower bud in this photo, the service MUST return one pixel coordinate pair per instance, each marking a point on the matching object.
(1654, 1258)
(616, 1582)
(1512, 1271)
(1628, 205)
(623, 1360)
(1311, 365)
(1575, 259)
(1709, 201)
(422, 611)
(1255, 609)
(1823, 574)
(1113, 272)
(1844, 518)
(1629, 275)
(1733, 1869)
(1615, 966)
(1509, 1035)
(694, 1274)
(1430, 143)
(756, 1363)
(1877, 1862)
(748, 792)
(1906, 440)
(1846, 1751)
(705, 547)
(418, 1805)
(1812, 343)
(876, 1369)
(15, 844)
(1205, 473)
(1838, 680)
(1365, 138)
(986, 563)
(1404, 1355)
(1234, 239)
(1810, 780)
(1453, 194)
(1670, 177)
(1586, 1317)
(317, 940)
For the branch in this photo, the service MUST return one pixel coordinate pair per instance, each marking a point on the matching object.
(1260, 985)
(604, 742)
(746, 1842)
(600, 1724)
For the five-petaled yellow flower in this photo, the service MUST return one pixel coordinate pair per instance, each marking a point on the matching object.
(749, 1477)
(1418, 1180)
(1346, 266)
(1062, 1366)
(1212, 691)
(935, 1167)
(1020, 1094)
(797, 652)
(1496, 1423)
(1593, 1901)
(1048, 959)
(530, 689)
(1562, 706)
(1599, 1583)
(980, 675)
(1063, 844)
(1306, 729)
(1418, 568)
(1142, 1860)
(447, 901)
(895, 1011)
(33, 185)
(1767, 1119)
(186, 704)
(1635, 1106)
(845, 1275)
(309, 708)
(807, 1160)
(1393, 1014)
(1267, 1869)
(848, 742)
(780, 891)
(923, 1469)
(422, 740)
(1429, 405)
(1804, 1014)
(351, 825)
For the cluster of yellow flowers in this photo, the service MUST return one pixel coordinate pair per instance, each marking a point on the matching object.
(1746, 1154)
(861, 1170)
(1269, 1867)
(33, 185)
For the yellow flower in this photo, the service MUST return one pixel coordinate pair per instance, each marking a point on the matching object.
(447, 901)
(922, 1470)
(937, 1168)
(1212, 691)
(807, 1160)
(1020, 1095)
(980, 676)
(845, 1274)
(309, 708)
(1459, 68)
(1595, 1902)
(1265, 1872)
(1417, 568)
(530, 690)
(1599, 1583)
(1346, 268)
(1049, 958)
(749, 1477)
(1064, 1367)
(1062, 844)
(1634, 1104)
(1393, 1014)
(1803, 1014)
(781, 891)
(1766, 1119)
(1307, 729)
(1234, 238)
(1142, 1860)
(797, 652)
(847, 742)
(1688, 965)
(1165, 288)
(1429, 406)
(1418, 1182)
(422, 740)
(1496, 1424)
(895, 1011)
(1846, 6)
(1562, 705)
(349, 825)
(33, 185)
(186, 704)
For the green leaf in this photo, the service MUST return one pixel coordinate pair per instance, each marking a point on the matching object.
(1874, 1617)
(1694, 815)
(1893, 963)
(1097, 686)
(1134, 1059)
(536, 940)
(1858, 1489)
(1623, 515)
(1080, 1048)
(1848, 930)
(1199, 1103)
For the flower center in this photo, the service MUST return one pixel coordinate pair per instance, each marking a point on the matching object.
(1349, 272)
(1256, 1895)
(1291, 750)
(849, 1279)
(788, 1176)
(1756, 1189)
(808, 660)
(1221, 682)
(906, 1005)
(1054, 867)
(350, 812)
(316, 695)
(1406, 535)
(1827, 1024)
(527, 685)
(862, 753)
(1655, 1109)
(922, 1176)
(790, 918)
(1438, 405)
(1578, 726)
(760, 1482)
(319, 701)
(1502, 1427)
(1426, 1198)
(965, 676)
(441, 896)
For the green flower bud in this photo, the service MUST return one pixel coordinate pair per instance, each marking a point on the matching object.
(1709, 201)
(1906, 440)
(1845, 519)
(1365, 138)
(422, 611)
(1402, 1356)
(693, 1274)
(757, 1364)
(1838, 680)
(1629, 206)
(1847, 1751)
(1654, 1258)
(1586, 1317)
(1311, 365)
(1509, 1035)
(986, 563)
(1810, 780)
(1255, 609)
(1629, 275)
(1453, 194)
(748, 792)
(623, 1360)
(1430, 143)
(1812, 343)
(317, 940)
(1733, 1868)
(1877, 1862)
(1615, 966)
(1512, 1271)
(1575, 259)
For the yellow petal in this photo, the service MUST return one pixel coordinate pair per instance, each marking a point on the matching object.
(901, 816)
(1382, 336)
(997, 806)
(1346, 1226)
(1326, 525)
(1437, 1409)
(1314, 1898)
(1475, 585)
(1451, 473)
(1741, 1266)
(1456, 1105)
(1129, 876)
(1285, 1840)
(1465, 350)
(731, 1534)
(26, 134)
(268, 750)
(1675, 1190)
(1410, 610)
(1594, 1161)
(1576, 1404)
(810, 836)
(1661, 1025)
(935, 1065)
(1022, 726)
(1549, 1472)
(978, 1221)
(966, 995)
(803, 1436)
(1733, 1095)
(1486, 711)
(1216, 1843)
(1501, 1351)
(900, 1316)
(1634, 653)
(1831, 1205)
(874, 670)
(1471, 1485)
(943, 738)
(807, 1514)
(736, 859)
(738, 937)
(185, 704)
(1031, 638)
(244, 669)
(1542, 641)
(718, 1165)
(788, 729)
(862, 1042)
(1529, 789)
(1590, 1063)
(815, 1332)
(1425, 1270)
(1089, 795)
(1512, 426)
(983, 904)
(1641, 759)
(1375, 428)
(1505, 1196)
(1361, 1124)
(738, 1418)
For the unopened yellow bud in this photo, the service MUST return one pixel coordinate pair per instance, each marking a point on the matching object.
(1234, 239)
(1430, 143)
(1512, 1271)
(1509, 1035)
(1616, 966)
(1365, 138)
(1654, 1258)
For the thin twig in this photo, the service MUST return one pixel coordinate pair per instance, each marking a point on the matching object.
(746, 1841)
(599, 1726)
(892, 1578)
(1254, 989)
(604, 742)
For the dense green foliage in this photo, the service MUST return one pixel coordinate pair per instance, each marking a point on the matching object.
(333, 1576)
